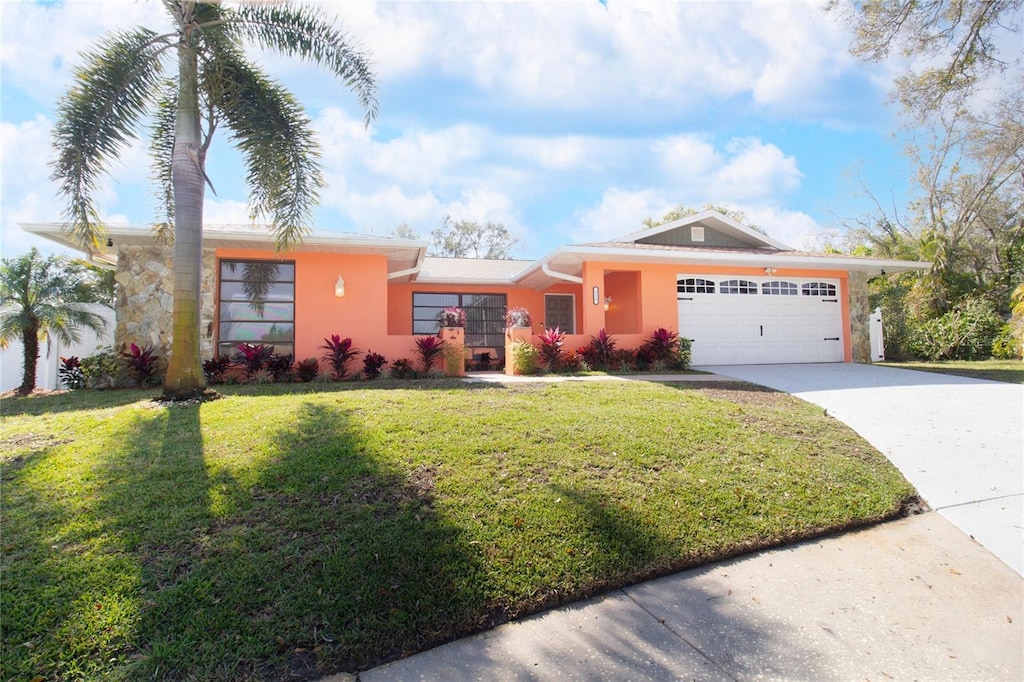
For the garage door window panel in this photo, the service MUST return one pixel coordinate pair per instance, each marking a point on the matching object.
(779, 288)
(695, 285)
(818, 289)
(738, 286)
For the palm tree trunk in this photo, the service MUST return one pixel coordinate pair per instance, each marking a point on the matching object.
(30, 340)
(184, 371)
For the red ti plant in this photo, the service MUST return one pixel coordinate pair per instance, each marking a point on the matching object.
(662, 345)
(429, 348)
(142, 364)
(339, 352)
(551, 348)
(600, 350)
(252, 357)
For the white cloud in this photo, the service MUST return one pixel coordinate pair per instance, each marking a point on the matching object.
(619, 213)
(42, 42)
(755, 170)
(225, 212)
(793, 228)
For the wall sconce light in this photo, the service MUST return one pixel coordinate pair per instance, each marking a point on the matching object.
(770, 271)
(339, 287)
(607, 302)
(597, 296)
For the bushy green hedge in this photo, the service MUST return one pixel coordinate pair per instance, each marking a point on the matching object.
(967, 332)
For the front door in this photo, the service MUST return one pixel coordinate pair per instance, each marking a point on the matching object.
(560, 311)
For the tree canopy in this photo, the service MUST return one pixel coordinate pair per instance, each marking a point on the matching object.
(188, 80)
(964, 130)
(46, 297)
(470, 239)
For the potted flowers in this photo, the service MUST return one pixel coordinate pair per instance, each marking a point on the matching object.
(452, 317)
(518, 317)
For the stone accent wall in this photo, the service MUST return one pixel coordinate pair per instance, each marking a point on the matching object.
(860, 317)
(145, 283)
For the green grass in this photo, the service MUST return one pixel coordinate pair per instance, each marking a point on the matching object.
(1007, 371)
(284, 531)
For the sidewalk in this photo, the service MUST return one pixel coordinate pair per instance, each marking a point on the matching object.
(910, 599)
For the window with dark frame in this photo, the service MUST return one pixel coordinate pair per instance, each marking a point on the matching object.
(256, 304)
(485, 316)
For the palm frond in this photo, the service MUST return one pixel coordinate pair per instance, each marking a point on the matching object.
(97, 118)
(308, 33)
(276, 138)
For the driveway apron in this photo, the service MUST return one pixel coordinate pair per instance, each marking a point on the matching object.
(959, 441)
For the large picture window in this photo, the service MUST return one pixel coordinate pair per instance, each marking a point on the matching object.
(485, 316)
(256, 304)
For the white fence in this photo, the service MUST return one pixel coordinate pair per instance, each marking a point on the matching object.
(877, 339)
(12, 357)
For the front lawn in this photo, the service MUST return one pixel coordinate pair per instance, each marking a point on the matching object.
(289, 531)
(1007, 371)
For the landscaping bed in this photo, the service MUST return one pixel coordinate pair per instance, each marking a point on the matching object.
(287, 531)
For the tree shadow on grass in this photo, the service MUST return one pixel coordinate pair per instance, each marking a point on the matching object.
(374, 572)
(73, 401)
(106, 529)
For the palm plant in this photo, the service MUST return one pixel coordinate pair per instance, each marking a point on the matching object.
(210, 82)
(44, 297)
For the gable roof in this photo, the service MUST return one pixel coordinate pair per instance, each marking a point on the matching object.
(711, 220)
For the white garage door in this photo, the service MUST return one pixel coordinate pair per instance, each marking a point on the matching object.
(760, 320)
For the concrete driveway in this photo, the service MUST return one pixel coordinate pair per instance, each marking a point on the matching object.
(959, 441)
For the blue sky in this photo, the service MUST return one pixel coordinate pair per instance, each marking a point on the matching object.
(568, 120)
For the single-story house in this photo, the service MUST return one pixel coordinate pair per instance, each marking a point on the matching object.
(742, 296)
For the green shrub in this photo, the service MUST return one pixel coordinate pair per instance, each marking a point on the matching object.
(524, 357)
(965, 333)
(1006, 346)
(103, 369)
(683, 353)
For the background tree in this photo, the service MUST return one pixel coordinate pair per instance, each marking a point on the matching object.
(44, 297)
(683, 211)
(194, 77)
(952, 44)
(468, 239)
(963, 118)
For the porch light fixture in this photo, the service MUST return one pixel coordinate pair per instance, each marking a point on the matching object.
(339, 287)
(607, 302)
(597, 296)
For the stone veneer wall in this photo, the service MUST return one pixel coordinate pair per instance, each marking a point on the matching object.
(145, 283)
(860, 317)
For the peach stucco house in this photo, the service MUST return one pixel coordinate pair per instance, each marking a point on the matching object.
(742, 297)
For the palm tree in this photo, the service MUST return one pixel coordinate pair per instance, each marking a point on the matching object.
(47, 297)
(211, 83)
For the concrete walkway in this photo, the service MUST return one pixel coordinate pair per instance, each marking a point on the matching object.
(959, 441)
